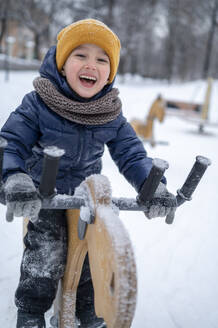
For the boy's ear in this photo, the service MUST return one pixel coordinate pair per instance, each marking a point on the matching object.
(63, 71)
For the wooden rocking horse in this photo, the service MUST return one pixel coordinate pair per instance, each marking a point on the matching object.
(112, 263)
(145, 130)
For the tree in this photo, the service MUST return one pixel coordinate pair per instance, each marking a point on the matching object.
(37, 16)
(213, 6)
(4, 17)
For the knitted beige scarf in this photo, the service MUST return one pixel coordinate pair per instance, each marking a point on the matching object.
(100, 111)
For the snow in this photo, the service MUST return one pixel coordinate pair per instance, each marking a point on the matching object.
(54, 151)
(177, 264)
(85, 214)
(160, 164)
(3, 143)
(125, 260)
(68, 310)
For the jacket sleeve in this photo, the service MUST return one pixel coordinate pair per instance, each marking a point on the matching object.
(21, 132)
(130, 156)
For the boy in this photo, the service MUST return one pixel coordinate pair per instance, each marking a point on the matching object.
(74, 107)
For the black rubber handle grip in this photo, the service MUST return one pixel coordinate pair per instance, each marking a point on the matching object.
(51, 159)
(151, 183)
(191, 183)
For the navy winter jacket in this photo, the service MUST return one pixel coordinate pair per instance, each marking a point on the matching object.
(33, 126)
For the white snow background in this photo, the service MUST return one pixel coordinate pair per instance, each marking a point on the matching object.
(177, 264)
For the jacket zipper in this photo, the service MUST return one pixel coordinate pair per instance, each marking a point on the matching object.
(80, 146)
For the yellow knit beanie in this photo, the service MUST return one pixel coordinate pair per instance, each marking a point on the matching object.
(88, 31)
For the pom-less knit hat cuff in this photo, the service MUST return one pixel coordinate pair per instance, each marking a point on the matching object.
(88, 31)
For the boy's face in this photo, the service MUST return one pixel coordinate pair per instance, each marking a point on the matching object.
(87, 70)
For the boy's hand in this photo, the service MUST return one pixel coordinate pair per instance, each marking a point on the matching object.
(21, 196)
(161, 204)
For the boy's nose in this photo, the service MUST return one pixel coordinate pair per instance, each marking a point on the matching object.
(90, 65)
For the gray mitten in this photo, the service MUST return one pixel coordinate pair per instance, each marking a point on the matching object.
(161, 204)
(21, 196)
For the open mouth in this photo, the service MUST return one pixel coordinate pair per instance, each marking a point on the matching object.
(87, 81)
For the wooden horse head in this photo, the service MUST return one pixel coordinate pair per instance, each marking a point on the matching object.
(145, 129)
(111, 259)
(157, 109)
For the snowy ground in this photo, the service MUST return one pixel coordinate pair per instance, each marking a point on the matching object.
(177, 265)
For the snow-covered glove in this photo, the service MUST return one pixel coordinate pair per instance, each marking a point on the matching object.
(162, 203)
(21, 196)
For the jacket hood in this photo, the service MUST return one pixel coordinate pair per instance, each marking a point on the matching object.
(49, 71)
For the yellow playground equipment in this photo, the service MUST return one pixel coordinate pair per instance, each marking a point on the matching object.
(197, 113)
(145, 130)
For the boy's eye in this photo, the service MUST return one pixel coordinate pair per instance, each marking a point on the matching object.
(80, 55)
(103, 60)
